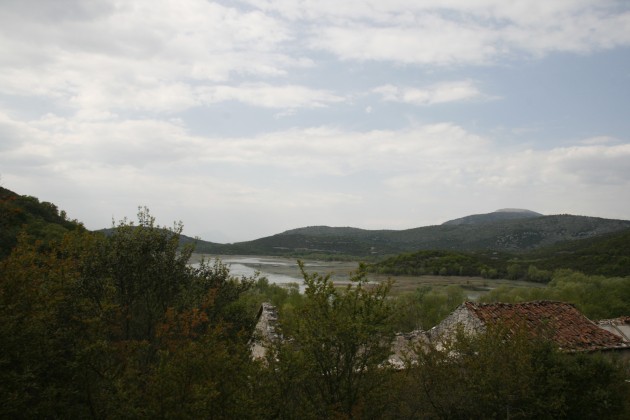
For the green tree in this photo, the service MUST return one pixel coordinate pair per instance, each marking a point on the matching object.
(121, 326)
(50, 331)
(338, 345)
(148, 271)
(597, 297)
(426, 307)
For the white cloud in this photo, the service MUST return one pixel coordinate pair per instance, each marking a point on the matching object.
(262, 184)
(599, 140)
(268, 96)
(437, 32)
(431, 40)
(434, 94)
(145, 55)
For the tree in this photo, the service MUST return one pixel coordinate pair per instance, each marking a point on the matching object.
(50, 331)
(107, 326)
(340, 341)
(148, 270)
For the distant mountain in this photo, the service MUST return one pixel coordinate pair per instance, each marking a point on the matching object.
(503, 214)
(520, 234)
(508, 230)
(328, 231)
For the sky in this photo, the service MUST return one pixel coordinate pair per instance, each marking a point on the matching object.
(243, 119)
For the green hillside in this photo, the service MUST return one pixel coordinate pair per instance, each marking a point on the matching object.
(26, 214)
(607, 255)
(503, 235)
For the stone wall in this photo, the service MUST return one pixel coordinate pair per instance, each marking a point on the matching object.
(459, 318)
(266, 331)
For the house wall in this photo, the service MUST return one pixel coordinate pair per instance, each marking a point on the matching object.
(265, 332)
(459, 318)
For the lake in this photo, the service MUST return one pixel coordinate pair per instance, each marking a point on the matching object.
(283, 271)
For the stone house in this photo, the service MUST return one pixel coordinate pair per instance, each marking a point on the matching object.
(560, 322)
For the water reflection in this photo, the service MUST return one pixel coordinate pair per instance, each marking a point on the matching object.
(283, 271)
(249, 266)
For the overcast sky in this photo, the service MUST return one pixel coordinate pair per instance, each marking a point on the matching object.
(247, 118)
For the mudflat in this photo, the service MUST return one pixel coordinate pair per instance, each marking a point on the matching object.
(283, 270)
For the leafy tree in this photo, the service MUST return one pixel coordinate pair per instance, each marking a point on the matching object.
(337, 347)
(597, 297)
(148, 271)
(49, 330)
(121, 326)
(426, 307)
(537, 275)
(42, 221)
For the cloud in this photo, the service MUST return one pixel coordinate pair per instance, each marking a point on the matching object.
(265, 183)
(430, 95)
(431, 41)
(594, 165)
(147, 56)
(599, 140)
(268, 96)
(456, 32)
(443, 153)
(169, 56)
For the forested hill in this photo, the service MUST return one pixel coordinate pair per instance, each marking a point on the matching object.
(607, 255)
(44, 221)
(522, 234)
(22, 213)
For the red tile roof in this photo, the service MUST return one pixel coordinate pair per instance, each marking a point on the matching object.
(559, 321)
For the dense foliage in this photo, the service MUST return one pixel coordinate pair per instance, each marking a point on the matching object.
(25, 214)
(607, 255)
(120, 326)
(336, 344)
(597, 297)
(489, 376)
(444, 263)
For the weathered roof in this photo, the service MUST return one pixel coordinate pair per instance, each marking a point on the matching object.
(559, 321)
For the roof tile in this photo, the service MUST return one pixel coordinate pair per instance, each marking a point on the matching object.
(559, 321)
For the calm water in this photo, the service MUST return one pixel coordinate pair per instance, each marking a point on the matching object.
(283, 271)
(248, 266)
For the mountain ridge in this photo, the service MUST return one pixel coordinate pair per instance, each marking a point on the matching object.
(44, 220)
(518, 234)
(501, 214)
